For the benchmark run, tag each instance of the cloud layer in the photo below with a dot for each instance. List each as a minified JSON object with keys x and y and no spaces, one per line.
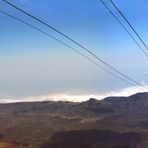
{"x":74,"y":98}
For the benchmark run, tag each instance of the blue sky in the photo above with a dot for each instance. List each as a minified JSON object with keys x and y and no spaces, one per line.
{"x":34,"y":65}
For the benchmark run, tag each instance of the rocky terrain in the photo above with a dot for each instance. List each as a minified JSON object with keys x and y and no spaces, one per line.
{"x":114,"y":122}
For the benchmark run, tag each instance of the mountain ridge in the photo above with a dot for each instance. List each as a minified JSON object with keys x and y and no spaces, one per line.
{"x":47,"y":122}
{"x":109,"y":105}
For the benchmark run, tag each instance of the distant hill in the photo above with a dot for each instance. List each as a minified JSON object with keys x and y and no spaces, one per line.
{"x":137,"y":103}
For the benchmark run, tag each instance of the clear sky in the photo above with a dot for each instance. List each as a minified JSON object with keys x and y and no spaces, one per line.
{"x":35,"y":66}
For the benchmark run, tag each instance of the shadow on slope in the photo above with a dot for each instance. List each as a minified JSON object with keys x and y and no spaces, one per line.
{"x":93,"y":139}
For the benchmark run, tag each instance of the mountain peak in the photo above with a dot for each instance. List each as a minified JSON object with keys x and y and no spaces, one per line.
{"x":140,"y":95}
{"x":92,"y":100}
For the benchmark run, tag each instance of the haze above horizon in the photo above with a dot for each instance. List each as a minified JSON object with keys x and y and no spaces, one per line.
{"x":34,"y":66}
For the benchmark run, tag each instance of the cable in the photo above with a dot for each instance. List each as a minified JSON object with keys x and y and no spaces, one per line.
{"x":92,"y":61}
{"x":124,"y":28}
{"x":129,"y":24}
{"x":84,"y":48}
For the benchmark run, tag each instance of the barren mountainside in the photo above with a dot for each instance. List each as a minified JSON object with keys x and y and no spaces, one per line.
{"x":135,"y":103}
{"x":106,"y":123}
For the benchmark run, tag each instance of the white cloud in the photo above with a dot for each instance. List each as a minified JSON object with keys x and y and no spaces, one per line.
{"x":75,"y":98}
{"x":126,"y":91}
